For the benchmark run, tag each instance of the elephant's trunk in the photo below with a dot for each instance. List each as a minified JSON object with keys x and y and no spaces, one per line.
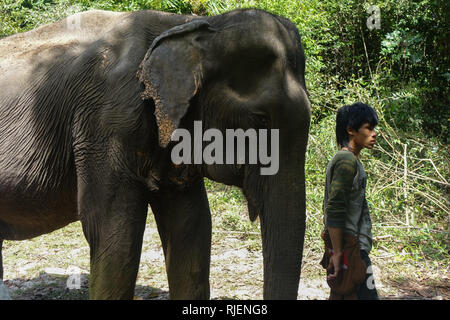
{"x":283,"y":229}
{"x":280,"y":203}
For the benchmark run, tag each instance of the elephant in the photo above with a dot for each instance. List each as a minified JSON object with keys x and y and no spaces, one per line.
{"x":88,"y":108}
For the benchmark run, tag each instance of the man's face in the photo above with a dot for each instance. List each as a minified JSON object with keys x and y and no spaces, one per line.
{"x":364,"y":137}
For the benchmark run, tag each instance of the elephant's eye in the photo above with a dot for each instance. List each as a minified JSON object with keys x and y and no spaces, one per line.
{"x":264,"y":122}
{"x":261,"y":121}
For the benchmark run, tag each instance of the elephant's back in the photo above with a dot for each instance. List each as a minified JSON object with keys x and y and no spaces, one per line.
{"x":24,"y":55}
{"x":79,"y":28}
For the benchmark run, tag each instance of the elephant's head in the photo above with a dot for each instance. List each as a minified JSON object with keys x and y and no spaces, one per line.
{"x":243,"y":69}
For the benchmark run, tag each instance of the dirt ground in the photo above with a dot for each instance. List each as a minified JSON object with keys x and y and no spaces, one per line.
{"x":56,"y":266}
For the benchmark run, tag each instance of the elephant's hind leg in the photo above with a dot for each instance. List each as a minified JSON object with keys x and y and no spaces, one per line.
{"x":184,"y":225}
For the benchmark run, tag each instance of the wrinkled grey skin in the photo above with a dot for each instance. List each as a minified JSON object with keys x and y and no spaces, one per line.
{"x":86,"y":116}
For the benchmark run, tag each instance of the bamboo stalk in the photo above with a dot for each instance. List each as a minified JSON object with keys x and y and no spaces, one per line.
{"x":437,"y":171}
{"x":428,"y":196}
{"x":418,"y":228}
{"x":381,"y":188}
{"x":405,"y":180}
{"x":434,"y":200}
{"x":411,"y":173}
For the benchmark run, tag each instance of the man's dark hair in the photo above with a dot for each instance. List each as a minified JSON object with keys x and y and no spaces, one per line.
{"x":353,"y":116}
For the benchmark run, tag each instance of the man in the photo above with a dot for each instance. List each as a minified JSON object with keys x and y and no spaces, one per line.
{"x":345,"y":205}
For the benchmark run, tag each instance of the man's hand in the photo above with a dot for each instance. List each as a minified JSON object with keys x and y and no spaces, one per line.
{"x":335,"y":265}
{"x":336,"y":236}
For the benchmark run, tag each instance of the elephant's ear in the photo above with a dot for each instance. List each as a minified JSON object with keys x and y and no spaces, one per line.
{"x":171,"y":72}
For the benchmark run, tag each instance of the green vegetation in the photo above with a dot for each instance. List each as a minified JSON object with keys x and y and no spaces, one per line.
{"x":401,"y":69}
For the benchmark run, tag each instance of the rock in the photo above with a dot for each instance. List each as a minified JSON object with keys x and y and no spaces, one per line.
{"x":28,"y":285}
{"x":56,"y":272}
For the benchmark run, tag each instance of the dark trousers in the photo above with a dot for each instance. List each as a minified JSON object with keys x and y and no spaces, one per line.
{"x":367,"y":290}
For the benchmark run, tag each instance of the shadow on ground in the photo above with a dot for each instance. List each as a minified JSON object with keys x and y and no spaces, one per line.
{"x":49,"y":287}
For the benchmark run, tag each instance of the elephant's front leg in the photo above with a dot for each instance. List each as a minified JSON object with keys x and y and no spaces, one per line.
{"x":184,"y":225}
{"x":113,"y":214}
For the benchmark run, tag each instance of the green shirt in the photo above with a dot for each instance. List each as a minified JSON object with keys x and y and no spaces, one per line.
{"x":345,"y":197}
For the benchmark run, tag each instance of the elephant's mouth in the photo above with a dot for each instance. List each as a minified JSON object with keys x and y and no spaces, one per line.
{"x":253,"y":211}
{"x":240,"y":170}
{"x":252,"y":193}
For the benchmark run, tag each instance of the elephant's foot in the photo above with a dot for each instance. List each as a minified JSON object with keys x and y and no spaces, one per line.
{"x":4,"y":295}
